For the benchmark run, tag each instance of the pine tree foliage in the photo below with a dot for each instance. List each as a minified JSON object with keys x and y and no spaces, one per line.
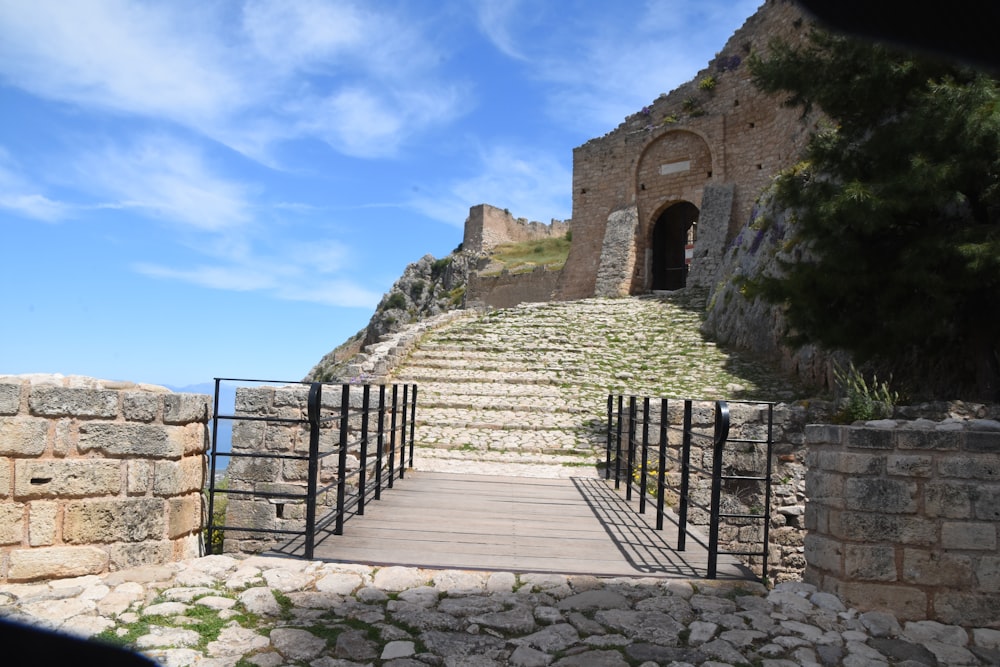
{"x":898,"y":202}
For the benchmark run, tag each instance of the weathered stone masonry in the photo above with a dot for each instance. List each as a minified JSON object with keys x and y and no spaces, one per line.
{"x":714,"y":143}
{"x":97,"y":476}
{"x":904,"y":516}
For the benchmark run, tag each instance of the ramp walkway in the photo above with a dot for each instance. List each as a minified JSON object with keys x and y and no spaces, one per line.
{"x":576,"y":525}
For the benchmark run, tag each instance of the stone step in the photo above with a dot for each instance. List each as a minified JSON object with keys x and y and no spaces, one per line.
{"x":499,"y":419}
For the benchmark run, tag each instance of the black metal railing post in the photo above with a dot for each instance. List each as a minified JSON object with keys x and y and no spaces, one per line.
{"x":767,"y":489}
{"x":618,"y":444}
{"x":721,"y":435}
{"x":682,"y":506}
{"x":661,"y":469}
{"x":392,"y":433}
{"x":413,"y":420}
{"x":631,"y":447}
{"x":363,"y":468}
{"x":402,"y":433}
{"x":210,"y":531}
{"x":644,"y":459}
{"x":313,"y":411}
{"x":345,"y":404}
{"x":607,"y":447}
{"x":379,"y":442}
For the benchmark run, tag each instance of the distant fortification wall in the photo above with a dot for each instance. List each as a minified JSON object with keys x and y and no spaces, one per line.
{"x":97,"y":476}
{"x":488,"y":226}
{"x":507,"y":289}
{"x":710,"y":146}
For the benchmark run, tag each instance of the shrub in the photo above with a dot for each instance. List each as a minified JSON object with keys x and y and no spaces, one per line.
{"x":863,"y":401}
{"x":396,"y":300}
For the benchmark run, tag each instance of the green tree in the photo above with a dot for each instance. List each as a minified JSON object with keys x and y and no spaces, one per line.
{"x":897,"y":206}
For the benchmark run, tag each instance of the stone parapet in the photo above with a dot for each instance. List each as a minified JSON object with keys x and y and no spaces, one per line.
{"x":97,"y":475}
{"x":903,"y":516}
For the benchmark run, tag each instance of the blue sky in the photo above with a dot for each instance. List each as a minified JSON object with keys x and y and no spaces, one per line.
{"x":197,"y":189}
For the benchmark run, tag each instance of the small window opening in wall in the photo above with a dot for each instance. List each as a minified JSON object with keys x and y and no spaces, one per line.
{"x":736,"y":103}
{"x":750,"y":125}
{"x":583,"y":191}
{"x":760,"y":166}
{"x":709,"y":174}
{"x":279,"y":509}
{"x":642,"y":186}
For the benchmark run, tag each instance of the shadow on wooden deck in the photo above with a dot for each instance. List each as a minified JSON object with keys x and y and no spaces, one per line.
{"x":579,"y":525}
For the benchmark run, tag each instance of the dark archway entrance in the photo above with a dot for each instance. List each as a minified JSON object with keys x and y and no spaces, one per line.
{"x":673,"y":231}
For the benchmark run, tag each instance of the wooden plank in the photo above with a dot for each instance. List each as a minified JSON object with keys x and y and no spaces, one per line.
{"x":477,"y":522}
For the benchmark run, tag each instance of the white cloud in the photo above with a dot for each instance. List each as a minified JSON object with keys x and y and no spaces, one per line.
{"x":530,"y":184}
{"x":282,"y":70}
{"x":167,"y":179}
{"x":292,"y":271}
{"x":497,"y":19}
{"x":19,"y":195}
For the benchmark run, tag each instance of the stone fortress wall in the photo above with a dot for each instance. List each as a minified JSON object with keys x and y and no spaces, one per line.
{"x":97,"y":476}
{"x":488,"y":227}
{"x":714,"y":143}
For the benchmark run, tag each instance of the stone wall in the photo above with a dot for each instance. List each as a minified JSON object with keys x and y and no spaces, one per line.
{"x":507,"y":289}
{"x":488,"y":226}
{"x":97,"y":476}
{"x":903,"y":516}
{"x":716,"y":130}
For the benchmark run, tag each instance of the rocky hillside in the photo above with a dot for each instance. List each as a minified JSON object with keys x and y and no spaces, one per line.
{"x":428,"y":287}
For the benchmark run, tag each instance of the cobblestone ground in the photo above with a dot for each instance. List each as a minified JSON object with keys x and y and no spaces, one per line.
{"x":218,"y":611}
{"x":524,"y":390}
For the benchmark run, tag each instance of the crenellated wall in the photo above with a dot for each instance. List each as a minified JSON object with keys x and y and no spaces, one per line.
{"x":97,"y":476}
{"x":488,"y":226}
{"x":904,"y":516}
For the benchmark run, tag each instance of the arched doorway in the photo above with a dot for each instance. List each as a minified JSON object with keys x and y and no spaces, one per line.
{"x":673,"y":231}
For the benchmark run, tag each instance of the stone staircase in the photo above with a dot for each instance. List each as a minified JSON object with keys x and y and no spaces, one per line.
{"x":524,"y":390}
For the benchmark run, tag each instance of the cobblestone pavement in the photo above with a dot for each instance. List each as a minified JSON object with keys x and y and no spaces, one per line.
{"x":219,"y":611}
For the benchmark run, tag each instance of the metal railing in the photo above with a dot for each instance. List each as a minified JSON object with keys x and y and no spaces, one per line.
{"x":628,"y":456}
{"x":387,"y":462}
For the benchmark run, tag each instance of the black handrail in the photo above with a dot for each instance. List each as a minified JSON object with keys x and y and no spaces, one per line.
{"x":314,"y":421}
{"x":625,"y":443}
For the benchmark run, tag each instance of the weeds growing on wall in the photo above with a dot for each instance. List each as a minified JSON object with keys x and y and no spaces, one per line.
{"x":863,"y":401}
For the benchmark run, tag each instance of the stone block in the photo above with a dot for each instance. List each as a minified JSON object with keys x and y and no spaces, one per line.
{"x":66,"y":479}
{"x":906,"y":465}
{"x":981,"y":466}
{"x":823,"y":553}
{"x":55,"y":563}
{"x":66,"y":438}
{"x":949,"y":499}
{"x":936,"y":568}
{"x":196,"y":439}
{"x":12,"y":523}
{"x":982,"y":441}
{"x":49,"y":401}
{"x":23,"y":436}
{"x":184,"y":516}
{"x":870,"y":562}
{"x":254,"y":470}
{"x":860,"y":437}
{"x":255,"y":401}
{"x":927,"y":439}
{"x":4,"y":478}
{"x":825,"y":487}
{"x":140,"y":477}
{"x":42,"y":515}
{"x":182,"y":409}
{"x":294,"y":471}
{"x":174,"y":478}
{"x":854,"y":463}
{"x":821,"y":434}
{"x":882,"y":528}
{"x":968,"y":609}
{"x":150,"y":440}
{"x":988,"y":574}
{"x":986,"y":503}
{"x":123,"y":556}
{"x":10,"y":398}
{"x":248,"y":514}
{"x":874,"y":494}
{"x":906,"y":603}
{"x":127,"y":520}
{"x":140,"y":406}
{"x":966,"y":535}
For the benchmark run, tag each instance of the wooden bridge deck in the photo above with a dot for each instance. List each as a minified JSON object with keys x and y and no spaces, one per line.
{"x":478,"y":522}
